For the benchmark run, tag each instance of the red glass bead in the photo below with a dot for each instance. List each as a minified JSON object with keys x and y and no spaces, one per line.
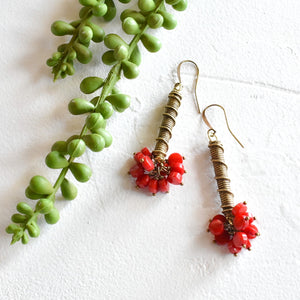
{"x":232,"y":248}
{"x":239,"y":209}
{"x":248,"y":245}
{"x":146,"y":151}
{"x":249,"y":216}
{"x":153,"y":186}
{"x":220,"y":217}
{"x":136,"y":171}
{"x":148,"y":164}
{"x":178,"y":167}
{"x":175,"y":178}
{"x":240,"y":222}
{"x":223,"y":238}
{"x":139,"y":157}
{"x":175,"y":158}
{"x":216,"y":227}
{"x":142,"y":181}
{"x":163,"y":185}
{"x":251,"y":231}
{"x":239,"y":239}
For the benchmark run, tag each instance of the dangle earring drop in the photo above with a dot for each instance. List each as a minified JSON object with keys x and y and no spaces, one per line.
{"x":152,"y":170}
{"x":234,"y":227}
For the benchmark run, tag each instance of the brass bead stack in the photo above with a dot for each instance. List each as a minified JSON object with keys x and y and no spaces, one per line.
{"x":167,"y":124}
{"x":220,"y":167}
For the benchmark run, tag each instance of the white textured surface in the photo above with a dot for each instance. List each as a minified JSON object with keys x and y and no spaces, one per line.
{"x":113,"y":242}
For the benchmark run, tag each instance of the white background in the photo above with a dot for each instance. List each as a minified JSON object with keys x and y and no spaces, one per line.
{"x":114,"y":242}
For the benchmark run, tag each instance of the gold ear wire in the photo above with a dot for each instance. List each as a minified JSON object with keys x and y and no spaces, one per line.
{"x":211,"y":131}
{"x":195,"y":81}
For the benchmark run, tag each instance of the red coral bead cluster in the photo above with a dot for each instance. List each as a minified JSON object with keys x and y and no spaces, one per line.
{"x":236,"y":234}
{"x":156,"y":175}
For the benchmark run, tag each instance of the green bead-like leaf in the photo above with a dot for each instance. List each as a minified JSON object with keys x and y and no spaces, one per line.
{"x":55,"y":160}
{"x":170,"y":21}
{"x":44,"y":206}
{"x":108,"y":58}
{"x":61,"y":28}
{"x":16,"y":237}
{"x":40,"y":185}
{"x":98,"y":33}
{"x":68,"y":190}
{"x":25,"y":238}
{"x":95,"y":142}
{"x":146,"y":5}
{"x":81,"y":171}
{"x":91,"y":84}
{"x":80,"y":106}
{"x":155,"y":20}
{"x":112,"y":41}
{"x":181,"y":5}
{"x":18,"y":218}
{"x":94,"y":121}
{"x":130,"y":69}
{"x":60,"y":146}
{"x":151,"y":43}
{"x":111,"y":10}
{"x":100,"y":10}
{"x":138,"y":17}
{"x":136,"y":56}
{"x":71,"y":138}
{"x":85,"y":34}
{"x":13,"y":228}
{"x":120,"y":101}
{"x":32,"y":195}
{"x":33,"y":229}
{"x":106,"y":135}
{"x":105,"y":109}
{"x":84,"y":55}
{"x":76,"y":147}
{"x":24,"y":208}
{"x":121,"y":53}
{"x":52,"y":217}
{"x":130,"y":26}
{"x":90,"y":3}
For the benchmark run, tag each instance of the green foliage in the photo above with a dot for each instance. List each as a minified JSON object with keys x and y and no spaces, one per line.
{"x":124,"y":58}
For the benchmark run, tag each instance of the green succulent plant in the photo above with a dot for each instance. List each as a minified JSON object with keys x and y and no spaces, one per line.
{"x":124,"y":59}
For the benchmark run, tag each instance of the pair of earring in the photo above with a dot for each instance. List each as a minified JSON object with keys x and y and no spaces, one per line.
{"x":234,"y":226}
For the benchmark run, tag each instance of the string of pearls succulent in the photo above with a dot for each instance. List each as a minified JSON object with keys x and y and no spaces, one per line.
{"x":124,"y":59}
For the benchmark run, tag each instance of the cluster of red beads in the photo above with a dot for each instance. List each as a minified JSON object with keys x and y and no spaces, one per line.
{"x":237,"y":235}
{"x":156,"y":176}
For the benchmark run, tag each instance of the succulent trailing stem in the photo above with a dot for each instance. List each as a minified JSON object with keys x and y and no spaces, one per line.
{"x":124,"y":59}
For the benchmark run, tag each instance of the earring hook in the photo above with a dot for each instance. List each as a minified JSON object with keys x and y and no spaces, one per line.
{"x":211,"y":128}
{"x":195,"y":81}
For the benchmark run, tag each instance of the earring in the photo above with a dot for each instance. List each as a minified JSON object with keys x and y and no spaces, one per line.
{"x":152,"y":170}
{"x":234,"y":227}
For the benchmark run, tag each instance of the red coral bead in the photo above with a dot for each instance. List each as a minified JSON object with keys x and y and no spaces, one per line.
{"x":240,"y":239}
{"x":239,"y":209}
{"x":223,"y":238}
{"x":220,"y":217}
{"x":148,"y":164}
{"x":178,"y":167}
{"x":175,"y":178}
{"x":153,"y":186}
{"x":163,"y":185}
{"x":136,"y":171}
{"x":139,"y":157}
{"x":175,"y":158}
{"x":142,"y":181}
{"x":240,"y":222}
{"x":251,"y":231}
{"x":216,"y":227}
{"x":146,"y":151}
{"x":248,"y":245}
{"x":232,"y":248}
